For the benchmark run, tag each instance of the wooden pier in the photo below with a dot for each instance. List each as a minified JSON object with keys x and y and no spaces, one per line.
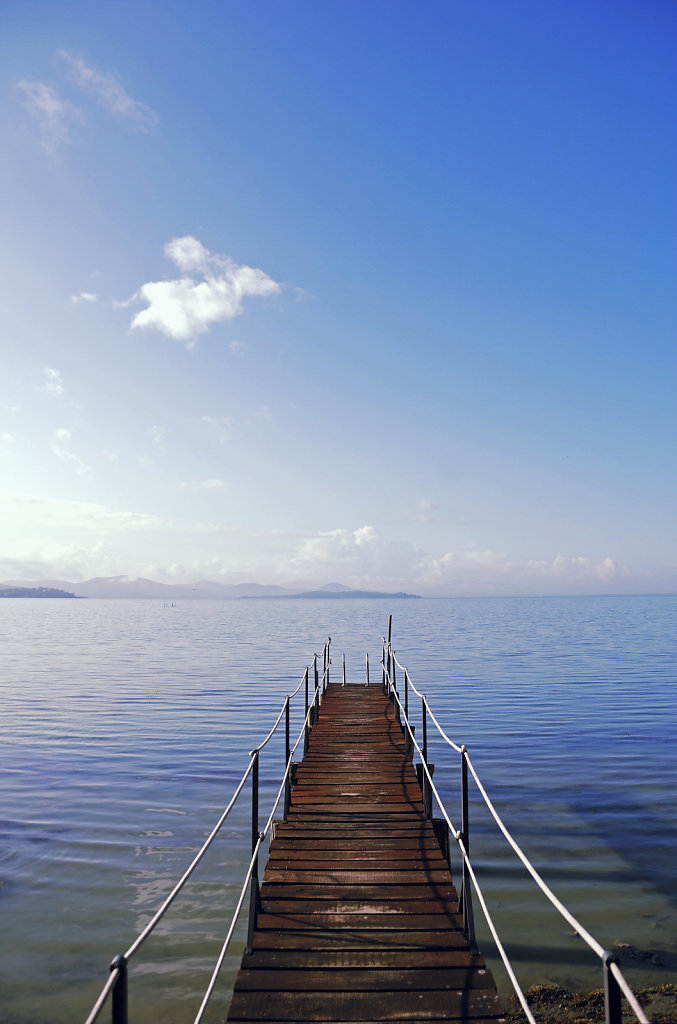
{"x":359,"y":919}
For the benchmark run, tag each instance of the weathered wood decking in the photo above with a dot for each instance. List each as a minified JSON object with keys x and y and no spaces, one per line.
{"x":359,"y":919}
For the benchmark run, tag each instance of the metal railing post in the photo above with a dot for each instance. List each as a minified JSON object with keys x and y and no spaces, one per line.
{"x":466,"y":894}
{"x":316,"y":697}
{"x":398,"y":716}
{"x":119,"y":991}
{"x":367,"y":658}
{"x":425,"y":781}
{"x":254,"y":899}
{"x":287,"y":766}
{"x":406,"y":695}
{"x":344,"y":670}
{"x":306,"y":728}
{"x":613,"y":1012}
{"x":383,"y":662}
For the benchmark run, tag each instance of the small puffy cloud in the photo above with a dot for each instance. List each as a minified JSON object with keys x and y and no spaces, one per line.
{"x":237,"y":347}
{"x":157,"y":435}
{"x":83,"y":297}
{"x":54,"y":383}
{"x":210,"y":485}
{"x":185,"y":307}
{"x":59,"y":440}
{"x":106,"y":88}
{"x":52,"y":114}
{"x":425,"y":511}
{"x":222,"y":425}
{"x":8,"y":438}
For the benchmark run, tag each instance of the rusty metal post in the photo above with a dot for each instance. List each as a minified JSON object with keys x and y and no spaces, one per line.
{"x":287,"y":766}
{"x":398,"y":714}
{"x":119,"y":991}
{"x":613,"y":1012}
{"x":316,"y":698}
{"x":425,"y":781}
{"x":406,"y":694}
{"x":306,"y":728}
{"x":466,"y":894}
{"x":254,"y":897}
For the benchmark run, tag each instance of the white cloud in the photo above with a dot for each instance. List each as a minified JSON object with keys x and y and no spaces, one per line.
{"x":83,"y":297}
{"x":8,"y":438}
{"x":211,"y":484}
{"x":157,"y":435}
{"x":105,"y":87}
{"x":53,"y":115}
{"x":236,"y":347}
{"x":425,"y":511}
{"x":54,"y":381}
{"x":223,"y":425}
{"x":59,"y":438}
{"x":185,"y":307}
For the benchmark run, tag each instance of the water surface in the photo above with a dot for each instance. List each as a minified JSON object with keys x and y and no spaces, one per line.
{"x":128,"y":725}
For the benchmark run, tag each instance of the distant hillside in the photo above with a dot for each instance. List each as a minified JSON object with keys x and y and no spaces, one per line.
{"x":34,"y":592}
{"x":334,"y":594}
{"x":137,"y":587}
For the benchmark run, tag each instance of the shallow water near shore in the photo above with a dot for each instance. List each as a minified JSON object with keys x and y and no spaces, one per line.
{"x":128,"y":725}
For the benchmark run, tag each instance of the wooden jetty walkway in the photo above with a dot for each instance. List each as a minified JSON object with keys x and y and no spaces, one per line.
{"x":359,"y":919}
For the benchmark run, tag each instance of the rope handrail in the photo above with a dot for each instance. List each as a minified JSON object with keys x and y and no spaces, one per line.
{"x":119,"y":963}
{"x":418,"y":693}
{"x":459,"y":839}
{"x":559,"y":906}
{"x":236,"y":914}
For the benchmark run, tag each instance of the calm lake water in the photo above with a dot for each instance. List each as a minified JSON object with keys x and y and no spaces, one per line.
{"x":127,"y":728}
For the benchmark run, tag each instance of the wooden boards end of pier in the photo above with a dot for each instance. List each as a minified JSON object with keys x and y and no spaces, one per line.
{"x":359,"y":916}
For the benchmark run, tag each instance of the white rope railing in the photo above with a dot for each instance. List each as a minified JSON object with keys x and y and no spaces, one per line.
{"x":119,"y":965}
{"x":238,"y":908}
{"x":459,"y":839}
{"x":597,"y":948}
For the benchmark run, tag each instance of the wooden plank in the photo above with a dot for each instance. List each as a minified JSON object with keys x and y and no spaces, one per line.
{"x":360,"y":980}
{"x":334,"y":906}
{"x":356,"y":938}
{"x":300,"y":890}
{"x":461,"y":1004}
{"x":390,"y":959}
{"x":376,"y":920}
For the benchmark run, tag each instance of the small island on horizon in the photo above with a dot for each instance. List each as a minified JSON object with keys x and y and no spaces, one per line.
{"x":36,"y":592}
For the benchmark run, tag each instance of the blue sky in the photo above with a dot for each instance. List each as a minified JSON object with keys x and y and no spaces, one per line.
{"x":374,"y":292}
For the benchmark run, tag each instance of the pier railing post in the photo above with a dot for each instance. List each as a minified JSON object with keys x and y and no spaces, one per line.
{"x":344,"y":670}
{"x":367,"y":662}
{"x":406,"y":695}
{"x":613,"y":1012}
{"x":316,"y":697}
{"x":254,"y":898}
{"x":398,"y":716}
{"x":119,"y":992}
{"x":287,"y":766}
{"x":306,"y":728}
{"x":425,"y":781}
{"x":466,"y":894}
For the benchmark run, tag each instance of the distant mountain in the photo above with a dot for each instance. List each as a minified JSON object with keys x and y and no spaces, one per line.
{"x":139,"y":588}
{"x":34,"y":592}
{"x":332,"y":595}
